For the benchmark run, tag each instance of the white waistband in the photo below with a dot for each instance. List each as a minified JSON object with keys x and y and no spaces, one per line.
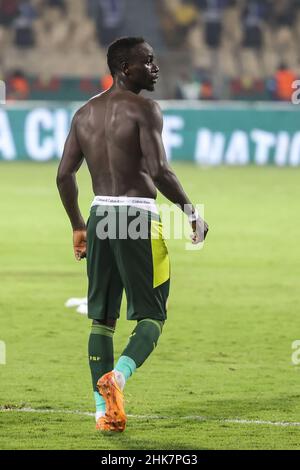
{"x":140,"y":202}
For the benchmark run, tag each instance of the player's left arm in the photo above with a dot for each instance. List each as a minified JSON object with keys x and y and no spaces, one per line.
{"x":66,"y":182}
{"x":164,"y":178}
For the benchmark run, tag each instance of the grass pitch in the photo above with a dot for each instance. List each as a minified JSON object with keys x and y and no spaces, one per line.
{"x":225,"y":353}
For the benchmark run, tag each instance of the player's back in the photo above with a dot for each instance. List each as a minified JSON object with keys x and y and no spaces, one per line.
{"x":108,"y":134}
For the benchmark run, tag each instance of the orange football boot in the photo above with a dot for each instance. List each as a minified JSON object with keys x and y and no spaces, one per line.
{"x":102,"y":424}
{"x":115,"y":414}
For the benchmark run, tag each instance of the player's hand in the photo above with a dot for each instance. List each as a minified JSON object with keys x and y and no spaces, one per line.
{"x":200,"y":230}
{"x":79,"y":244}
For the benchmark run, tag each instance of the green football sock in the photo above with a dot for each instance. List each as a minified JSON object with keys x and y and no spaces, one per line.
{"x":101,"y":358}
{"x":127,"y":366}
{"x":142,"y":342}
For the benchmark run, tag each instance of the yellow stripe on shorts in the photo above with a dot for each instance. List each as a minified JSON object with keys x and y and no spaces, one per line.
{"x":160,"y":257}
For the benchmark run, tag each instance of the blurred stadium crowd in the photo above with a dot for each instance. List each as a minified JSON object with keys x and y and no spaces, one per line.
{"x":207,"y":49}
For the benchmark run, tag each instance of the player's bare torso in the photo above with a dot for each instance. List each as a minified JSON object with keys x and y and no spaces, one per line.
{"x":107,"y":129}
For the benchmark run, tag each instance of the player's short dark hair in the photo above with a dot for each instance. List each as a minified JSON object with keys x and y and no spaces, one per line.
{"x":119,"y":52}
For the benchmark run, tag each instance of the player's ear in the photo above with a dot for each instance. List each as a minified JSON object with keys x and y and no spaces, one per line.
{"x":125,"y":68}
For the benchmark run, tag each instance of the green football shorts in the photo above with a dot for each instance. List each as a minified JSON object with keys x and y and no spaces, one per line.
{"x":117,"y":259}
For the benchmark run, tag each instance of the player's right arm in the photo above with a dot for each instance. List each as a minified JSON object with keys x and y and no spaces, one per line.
{"x":66,"y":182}
{"x":150,"y":130}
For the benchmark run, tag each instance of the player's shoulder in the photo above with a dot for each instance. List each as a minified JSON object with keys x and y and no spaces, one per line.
{"x":80,"y":112}
{"x":83,"y":111}
{"x":148,"y":104}
{"x":147,"y":108}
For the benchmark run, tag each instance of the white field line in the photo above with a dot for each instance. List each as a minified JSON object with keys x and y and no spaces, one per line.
{"x":153,"y":417}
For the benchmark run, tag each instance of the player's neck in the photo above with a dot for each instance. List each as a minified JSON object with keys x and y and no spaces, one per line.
{"x":121,"y":84}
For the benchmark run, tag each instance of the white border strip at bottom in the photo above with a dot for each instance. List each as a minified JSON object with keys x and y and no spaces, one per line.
{"x":152,"y":417}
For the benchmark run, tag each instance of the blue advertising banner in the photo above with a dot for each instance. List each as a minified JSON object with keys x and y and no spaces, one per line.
{"x":212,"y":134}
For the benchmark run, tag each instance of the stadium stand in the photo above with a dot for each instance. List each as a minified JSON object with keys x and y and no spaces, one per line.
{"x":210,"y":49}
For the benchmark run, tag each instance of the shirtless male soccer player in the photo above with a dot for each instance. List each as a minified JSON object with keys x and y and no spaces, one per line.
{"x":119,"y":134}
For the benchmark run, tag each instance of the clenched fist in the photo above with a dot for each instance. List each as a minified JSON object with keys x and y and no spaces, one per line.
{"x":79,"y":244}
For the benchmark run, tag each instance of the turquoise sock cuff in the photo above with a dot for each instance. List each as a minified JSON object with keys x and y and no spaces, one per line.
{"x":100,"y":402}
{"x":126,"y":365}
